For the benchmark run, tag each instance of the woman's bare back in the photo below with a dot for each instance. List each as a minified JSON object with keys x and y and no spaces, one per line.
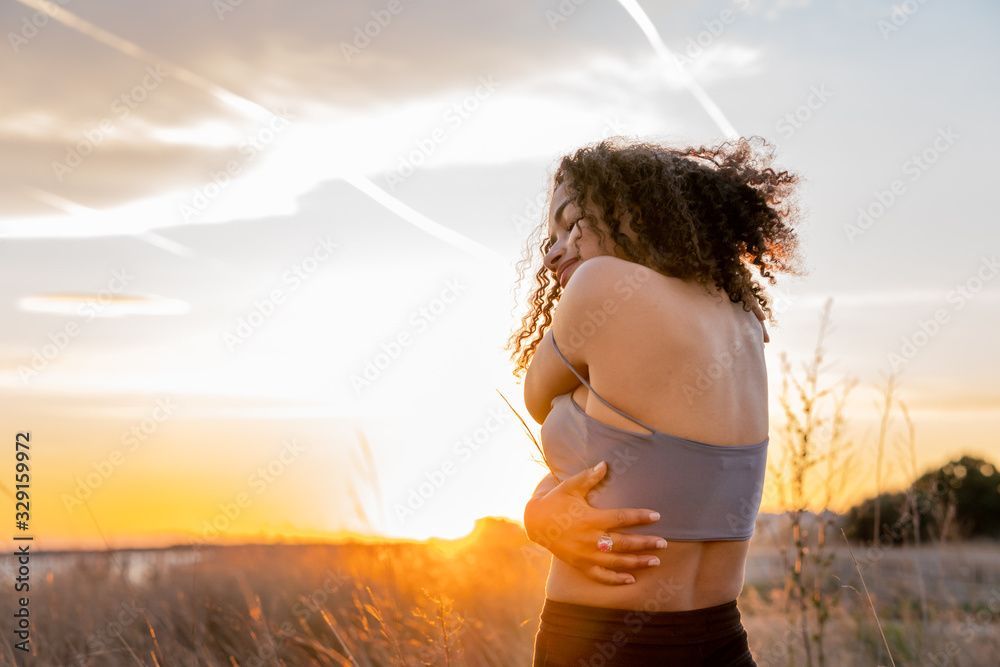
{"x":701,"y":377}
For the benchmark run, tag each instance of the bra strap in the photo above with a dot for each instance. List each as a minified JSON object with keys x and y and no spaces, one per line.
{"x":591,"y":389}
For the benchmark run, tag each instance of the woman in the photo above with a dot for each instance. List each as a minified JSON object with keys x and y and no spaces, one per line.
{"x":651,"y":369}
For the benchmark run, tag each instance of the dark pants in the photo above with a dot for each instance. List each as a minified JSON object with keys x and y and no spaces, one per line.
{"x":576,"y":635}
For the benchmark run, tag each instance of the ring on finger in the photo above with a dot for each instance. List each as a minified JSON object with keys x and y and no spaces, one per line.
{"x":605,"y":543}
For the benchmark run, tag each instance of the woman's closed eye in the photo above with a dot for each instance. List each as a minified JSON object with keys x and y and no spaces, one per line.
{"x":551,"y":241}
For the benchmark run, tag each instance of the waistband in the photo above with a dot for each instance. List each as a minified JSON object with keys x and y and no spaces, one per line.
{"x":638,"y":626}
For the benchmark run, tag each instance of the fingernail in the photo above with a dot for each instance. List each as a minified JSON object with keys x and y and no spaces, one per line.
{"x":653,"y":561}
{"x":630,"y":580}
{"x":598,"y":467}
{"x":661,"y":544}
{"x":654,"y":516}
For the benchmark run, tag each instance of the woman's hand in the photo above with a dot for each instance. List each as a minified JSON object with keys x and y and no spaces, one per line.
{"x":759,"y":312}
{"x":564,"y":522}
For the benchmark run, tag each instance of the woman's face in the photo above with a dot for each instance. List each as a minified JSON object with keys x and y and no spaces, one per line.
{"x":573,"y":238}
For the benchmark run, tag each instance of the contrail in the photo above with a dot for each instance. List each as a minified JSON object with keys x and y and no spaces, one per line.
{"x":55,"y":201}
{"x":131,"y":49}
{"x":648,"y":29}
{"x":181,"y":250}
{"x":422,"y":222}
{"x":71,"y":207}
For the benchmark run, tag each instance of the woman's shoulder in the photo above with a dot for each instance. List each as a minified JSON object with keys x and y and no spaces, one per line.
{"x":610,"y":281}
{"x":611,"y":266}
{"x":619,"y":298}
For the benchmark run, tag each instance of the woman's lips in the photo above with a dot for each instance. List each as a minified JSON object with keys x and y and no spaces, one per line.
{"x":565,"y":271}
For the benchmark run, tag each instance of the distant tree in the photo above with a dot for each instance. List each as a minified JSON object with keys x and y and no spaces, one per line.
{"x":959,"y":500}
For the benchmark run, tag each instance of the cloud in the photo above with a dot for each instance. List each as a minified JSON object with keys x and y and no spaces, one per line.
{"x":101,"y":305}
{"x":166,"y":178}
{"x":109,"y":106}
{"x":298,"y":54}
{"x":97,"y":175}
{"x":773,"y":9}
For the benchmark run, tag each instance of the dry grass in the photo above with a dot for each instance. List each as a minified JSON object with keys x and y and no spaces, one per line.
{"x":468,"y":602}
{"x":863,"y":604}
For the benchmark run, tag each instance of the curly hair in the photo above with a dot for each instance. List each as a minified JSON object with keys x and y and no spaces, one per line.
{"x":704,"y":214}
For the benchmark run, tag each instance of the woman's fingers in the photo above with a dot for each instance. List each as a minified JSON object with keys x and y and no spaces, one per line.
{"x":608,"y":568}
{"x":585,"y":480}
{"x":605,"y":576}
{"x":624,"y":542}
{"x":616,"y":561}
{"x":626,"y":516}
{"x":759,"y":312}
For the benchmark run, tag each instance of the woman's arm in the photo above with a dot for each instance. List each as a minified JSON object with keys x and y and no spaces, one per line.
{"x":559,"y":518}
{"x":548,"y":483}
{"x":545,"y":378}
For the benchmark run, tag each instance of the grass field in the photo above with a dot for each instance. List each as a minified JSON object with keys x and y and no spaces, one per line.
{"x":473,"y":601}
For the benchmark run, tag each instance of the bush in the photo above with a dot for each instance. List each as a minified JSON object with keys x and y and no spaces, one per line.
{"x":960,"y":500}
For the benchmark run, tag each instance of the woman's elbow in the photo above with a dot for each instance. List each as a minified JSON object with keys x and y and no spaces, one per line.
{"x":536,"y":405}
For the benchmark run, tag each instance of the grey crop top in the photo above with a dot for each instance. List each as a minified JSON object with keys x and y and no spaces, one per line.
{"x":702,"y":491}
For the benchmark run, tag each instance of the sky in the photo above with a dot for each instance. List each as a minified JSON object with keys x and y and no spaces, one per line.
{"x":259,"y":259}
